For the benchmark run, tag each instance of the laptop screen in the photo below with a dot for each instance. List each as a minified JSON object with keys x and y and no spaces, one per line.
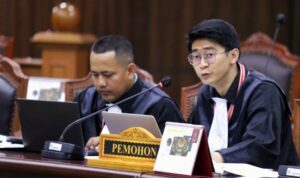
{"x":46,"y":120}
{"x":117,"y":122}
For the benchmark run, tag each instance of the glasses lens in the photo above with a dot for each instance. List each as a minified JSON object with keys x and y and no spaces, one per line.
{"x":194,"y":58}
{"x":190,"y":59}
{"x":210,"y":57}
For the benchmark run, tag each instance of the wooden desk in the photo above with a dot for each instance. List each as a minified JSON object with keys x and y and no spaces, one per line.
{"x":25,"y":164}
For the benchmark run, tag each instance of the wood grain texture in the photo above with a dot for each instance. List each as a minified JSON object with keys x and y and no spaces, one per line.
{"x":156,"y":28}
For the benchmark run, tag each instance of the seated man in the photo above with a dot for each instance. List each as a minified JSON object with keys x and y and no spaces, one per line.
{"x":245,"y":113}
{"x":114,"y":77}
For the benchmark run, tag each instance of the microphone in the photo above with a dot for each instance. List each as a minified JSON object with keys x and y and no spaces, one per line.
{"x":280,"y":19}
{"x":62,"y":150}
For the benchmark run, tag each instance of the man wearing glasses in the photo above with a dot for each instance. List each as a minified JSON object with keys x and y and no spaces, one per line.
{"x":246,"y":114}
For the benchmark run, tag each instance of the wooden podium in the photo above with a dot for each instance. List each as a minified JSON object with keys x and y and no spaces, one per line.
{"x":64,"y":54}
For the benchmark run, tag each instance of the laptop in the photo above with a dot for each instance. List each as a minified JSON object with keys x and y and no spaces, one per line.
{"x":45,"y":120}
{"x":117,"y":122}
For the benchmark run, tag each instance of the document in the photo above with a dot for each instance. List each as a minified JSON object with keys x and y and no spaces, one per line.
{"x":245,"y":170}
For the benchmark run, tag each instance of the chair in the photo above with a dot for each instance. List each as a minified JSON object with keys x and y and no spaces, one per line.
{"x":72,"y":87}
{"x":8,"y":94}
{"x":275,"y":62}
{"x":6,"y":46}
{"x":258,"y":54}
{"x":296,"y":124}
{"x":188,"y":99}
{"x":13,"y":84}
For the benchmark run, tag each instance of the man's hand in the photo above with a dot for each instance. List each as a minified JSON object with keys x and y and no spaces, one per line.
{"x":217,"y":157}
{"x":92,"y":143}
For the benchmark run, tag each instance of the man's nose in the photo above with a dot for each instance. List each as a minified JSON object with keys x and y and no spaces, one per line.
{"x":100,"y":81}
{"x":203,"y":63}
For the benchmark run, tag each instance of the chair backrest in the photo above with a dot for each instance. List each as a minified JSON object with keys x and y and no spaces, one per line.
{"x":6,"y":46}
{"x":257,"y":53}
{"x":296,"y":124}
{"x":188,"y":99}
{"x":274,"y":61}
{"x":8,"y":94}
{"x":72,"y":87}
{"x":13,"y":85}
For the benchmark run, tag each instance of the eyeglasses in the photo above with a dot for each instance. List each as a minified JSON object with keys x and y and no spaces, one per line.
{"x":209,"y":57}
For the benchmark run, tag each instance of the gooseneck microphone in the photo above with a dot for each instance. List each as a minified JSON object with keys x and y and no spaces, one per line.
{"x":62,"y":150}
{"x":165,"y":82}
{"x":280,"y":18}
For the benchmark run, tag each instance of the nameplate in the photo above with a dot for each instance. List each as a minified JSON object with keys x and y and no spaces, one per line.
{"x":133,"y":149}
{"x":55,"y":146}
{"x":184,"y":146}
{"x":113,"y":146}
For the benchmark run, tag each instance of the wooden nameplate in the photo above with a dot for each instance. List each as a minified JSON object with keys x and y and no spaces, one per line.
{"x":133,"y":149}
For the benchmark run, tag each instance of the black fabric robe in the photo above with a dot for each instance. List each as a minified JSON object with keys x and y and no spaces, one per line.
{"x":154,"y":102}
{"x":260,"y":128}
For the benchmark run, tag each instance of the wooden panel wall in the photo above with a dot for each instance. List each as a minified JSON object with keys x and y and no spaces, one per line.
{"x":155,"y":27}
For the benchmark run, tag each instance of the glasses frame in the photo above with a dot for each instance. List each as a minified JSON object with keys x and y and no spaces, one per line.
{"x":205,"y":58}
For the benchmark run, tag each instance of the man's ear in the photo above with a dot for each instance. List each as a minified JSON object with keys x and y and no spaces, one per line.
{"x":234,"y":55}
{"x":131,"y":68}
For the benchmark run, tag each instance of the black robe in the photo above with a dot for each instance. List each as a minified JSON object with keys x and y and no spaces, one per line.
{"x":259,"y":131}
{"x":154,"y":102}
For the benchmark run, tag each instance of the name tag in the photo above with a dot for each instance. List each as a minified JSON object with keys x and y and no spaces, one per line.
{"x":55,"y":146}
{"x":113,"y":146}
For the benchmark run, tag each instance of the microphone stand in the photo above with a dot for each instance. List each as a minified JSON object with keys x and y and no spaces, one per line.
{"x":280,"y":18}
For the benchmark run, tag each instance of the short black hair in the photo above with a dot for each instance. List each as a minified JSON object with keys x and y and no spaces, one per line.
{"x":217,"y":30}
{"x":119,"y":44}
